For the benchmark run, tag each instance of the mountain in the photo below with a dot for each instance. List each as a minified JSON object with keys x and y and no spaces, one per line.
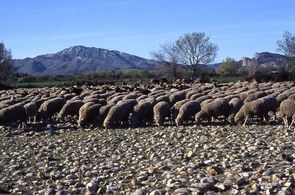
{"x":267,"y":59}
{"x":79,"y":59}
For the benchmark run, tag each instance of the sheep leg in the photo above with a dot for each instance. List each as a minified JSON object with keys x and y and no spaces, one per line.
{"x":291,"y":123}
{"x":245,"y":121}
{"x":285,"y":121}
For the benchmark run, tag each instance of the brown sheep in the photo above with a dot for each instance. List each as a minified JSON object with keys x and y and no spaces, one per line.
{"x":50,"y":107}
{"x":71,"y":108}
{"x":161,"y":110}
{"x":119,"y":113}
{"x":216,"y":108}
{"x":88,"y":113}
{"x":187,"y":111}
{"x":287,"y":111}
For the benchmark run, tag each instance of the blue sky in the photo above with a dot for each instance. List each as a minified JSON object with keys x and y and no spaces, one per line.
{"x":239,"y":27}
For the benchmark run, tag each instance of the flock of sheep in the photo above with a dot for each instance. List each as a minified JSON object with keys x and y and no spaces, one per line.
{"x":178,"y":104}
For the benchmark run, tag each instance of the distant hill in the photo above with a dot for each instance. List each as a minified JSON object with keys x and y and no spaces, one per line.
{"x":267,"y":59}
{"x":79,"y":59}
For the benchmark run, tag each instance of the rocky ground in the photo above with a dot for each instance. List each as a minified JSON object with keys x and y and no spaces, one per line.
{"x":151,"y":160}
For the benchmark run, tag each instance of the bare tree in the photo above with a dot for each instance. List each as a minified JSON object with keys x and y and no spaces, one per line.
{"x":195,"y":49}
{"x":287,"y":44}
{"x":5,"y":63}
{"x":167,"y":56}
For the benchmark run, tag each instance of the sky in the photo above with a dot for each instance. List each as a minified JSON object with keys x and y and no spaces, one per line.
{"x":239,"y":27}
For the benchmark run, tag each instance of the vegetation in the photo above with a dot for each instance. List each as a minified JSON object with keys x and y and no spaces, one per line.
{"x":192,"y":49}
{"x":5,"y":63}
{"x":229,"y":67}
{"x":287,"y":44}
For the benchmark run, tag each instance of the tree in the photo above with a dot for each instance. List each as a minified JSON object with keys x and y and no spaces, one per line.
{"x":287,"y":44}
{"x":5,"y":63}
{"x":251,"y":67}
{"x":194,"y":49}
{"x":168,"y":57}
{"x":229,"y":67}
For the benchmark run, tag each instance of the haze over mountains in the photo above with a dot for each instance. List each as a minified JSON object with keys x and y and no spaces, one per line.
{"x":80,"y":59}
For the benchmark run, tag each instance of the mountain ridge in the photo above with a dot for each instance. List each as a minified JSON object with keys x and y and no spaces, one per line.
{"x":80,"y":59}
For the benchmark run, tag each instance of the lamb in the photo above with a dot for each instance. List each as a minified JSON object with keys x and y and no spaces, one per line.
{"x":187,"y":111}
{"x":175,"y":108}
{"x":71,"y":108}
{"x":12,"y":114}
{"x":235,"y":106}
{"x":175,"y":97}
{"x":216,"y":108}
{"x":161,"y":110}
{"x":88,"y":113}
{"x":142,"y":113}
{"x":287,"y":110}
{"x":31,"y":110}
{"x":119,"y":113}
{"x":50,"y":107}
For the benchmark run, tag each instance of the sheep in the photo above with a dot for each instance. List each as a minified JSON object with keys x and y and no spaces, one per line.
{"x":287,"y":110}
{"x":196,"y":95}
{"x":12,"y":114}
{"x":71,"y":108}
{"x":187,"y":111}
{"x":235,"y":106}
{"x":203,"y":98}
{"x":31,"y":110}
{"x":3,"y":105}
{"x":50,"y":107}
{"x":103,"y":112}
{"x":177,"y":96}
{"x":88,"y":113}
{"x":216,"y":108}
{"x":164,"y":98}
{"x":175,"y":108}
{"x":161,"y":110}
{"x":254,"y":96}
{"x":142,"y":113}
{"x":259,"y":107}
{"x":119,"y":113}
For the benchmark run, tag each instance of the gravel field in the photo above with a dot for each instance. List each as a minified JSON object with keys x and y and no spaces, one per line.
{"x":151,"y":160}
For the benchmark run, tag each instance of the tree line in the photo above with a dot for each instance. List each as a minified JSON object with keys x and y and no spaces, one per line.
{"x":185,"y":57}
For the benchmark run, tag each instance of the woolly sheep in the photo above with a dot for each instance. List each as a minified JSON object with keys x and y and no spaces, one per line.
{"x":31,"y":110}
{"x":164,"y":98}
{"x":175,"y":108}
{"x":235,"y":106}
{"x":259,"y":107}
{"x":287,"y":110}
{"x":12,"y":114}
{"x":187,"y":111}
{"x":119,"y":113}
{"x":195,"y":96}
{"x":161,"y":110}
{"x":216,"y":108}
{"x":50,"y":107}
{"x":142,"y":113}
{"x":88,"y":113}
{"x":71,"y":108}
{"x":177,"y":96}
{"x":255,"y":96}
{"x":103,"y":112}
